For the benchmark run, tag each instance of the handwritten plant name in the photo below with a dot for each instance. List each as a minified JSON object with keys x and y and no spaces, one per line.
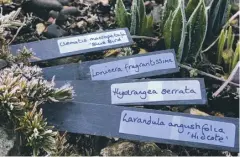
{"x":144,"y":93}
{"x":217,"y":134}
{"x":96,"y":40}
{"x":128,"y":67}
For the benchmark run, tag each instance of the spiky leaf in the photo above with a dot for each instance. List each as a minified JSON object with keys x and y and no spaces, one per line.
{"x":221,"y":43}
{"x":218,"y":16}
{"x":174,"y":30}
{"x":149,"y":26}
{"x":135,"y":19}
{"x":196,"y":32}
{"x":167,"y":31}
{"x":191,"y":6}
{"x":236,"y":56}
{"x":169,"y":6}
{"x":121,"y":15}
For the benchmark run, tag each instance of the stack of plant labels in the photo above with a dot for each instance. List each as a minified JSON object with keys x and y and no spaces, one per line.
{"x":103,"y":87}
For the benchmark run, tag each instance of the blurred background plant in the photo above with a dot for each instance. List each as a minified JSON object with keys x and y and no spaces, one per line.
{"x":22,"y":91}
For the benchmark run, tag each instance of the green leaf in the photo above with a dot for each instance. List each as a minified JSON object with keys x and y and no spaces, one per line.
{"x":174,"y":30}
{"x":218,"y":16}
{"x":149,"y":27}
{"x":121,"y":14}
{"x":221,"y":43}
{"x":135,"y":19}
{"x":192,"y":4}
{"x":230,"y":38}
{"x":141,"y":8}
{"x":167,"y":31}
{"x":236,"y":56}
{"x":169,"y":6}
{"x":196,"y":32}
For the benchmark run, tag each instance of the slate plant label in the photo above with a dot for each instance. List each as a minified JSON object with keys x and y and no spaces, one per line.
{"x":92,"y":41}
{"x":133,"y":66}
{"x":154,"y":91}
{"x":177,"y":128}
{"x":74,"y":45}
{"x":145,"y":125}
{"x":167,"y":91}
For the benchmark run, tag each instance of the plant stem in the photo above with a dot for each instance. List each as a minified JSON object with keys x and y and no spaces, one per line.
{"x":144,"y":37}
{"x":207,"y":74}
{"x":227,"y":81}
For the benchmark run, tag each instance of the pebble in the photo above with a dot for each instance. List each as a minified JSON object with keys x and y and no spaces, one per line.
{"x":40,"y":27}
{"x":41,"y":8}
{"x":64,"y":13}
{"x":3,"y":64}
{"x":54,"y":31}
{"x":53,"y":14}
{"x":47,"y":4}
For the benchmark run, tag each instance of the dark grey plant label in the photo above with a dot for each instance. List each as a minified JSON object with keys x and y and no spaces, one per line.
{"x":132,"y":66}
{"x":173,"y":127}
{"x":156,"y":91}
{"x":90,"y":41}
{"x":128,"y":67}
{"x":74,"y":45}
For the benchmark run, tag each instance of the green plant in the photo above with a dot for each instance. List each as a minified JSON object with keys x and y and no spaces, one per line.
{"x":137,"y":21}
{"x":218,"y":16}
{"x":185,"y":28}
{"x":22,"y":90}
{"x":226,"y":55}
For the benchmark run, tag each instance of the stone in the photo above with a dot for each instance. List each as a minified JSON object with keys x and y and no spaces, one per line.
{"x":47,"y":4}
{"x":6,"y":143}
{"x":125,"y":148}
{"x":40,"y":27}
{"x":41,"y":8}
{"x":65,"y":12}
{"x":53,"y":14}
{"x":54,"y":31}
{"x":3,"y":64}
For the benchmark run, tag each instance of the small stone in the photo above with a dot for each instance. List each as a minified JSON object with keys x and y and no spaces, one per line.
{"x":195,"y":111}
{"x":82,"y":24}
{"x":54,"y":31}
{"x":47,"y":4}
{"x":3,"y":64}
{"x":40,"y":27}
{"x":65,"y":12}
{"x":53,"y":14}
